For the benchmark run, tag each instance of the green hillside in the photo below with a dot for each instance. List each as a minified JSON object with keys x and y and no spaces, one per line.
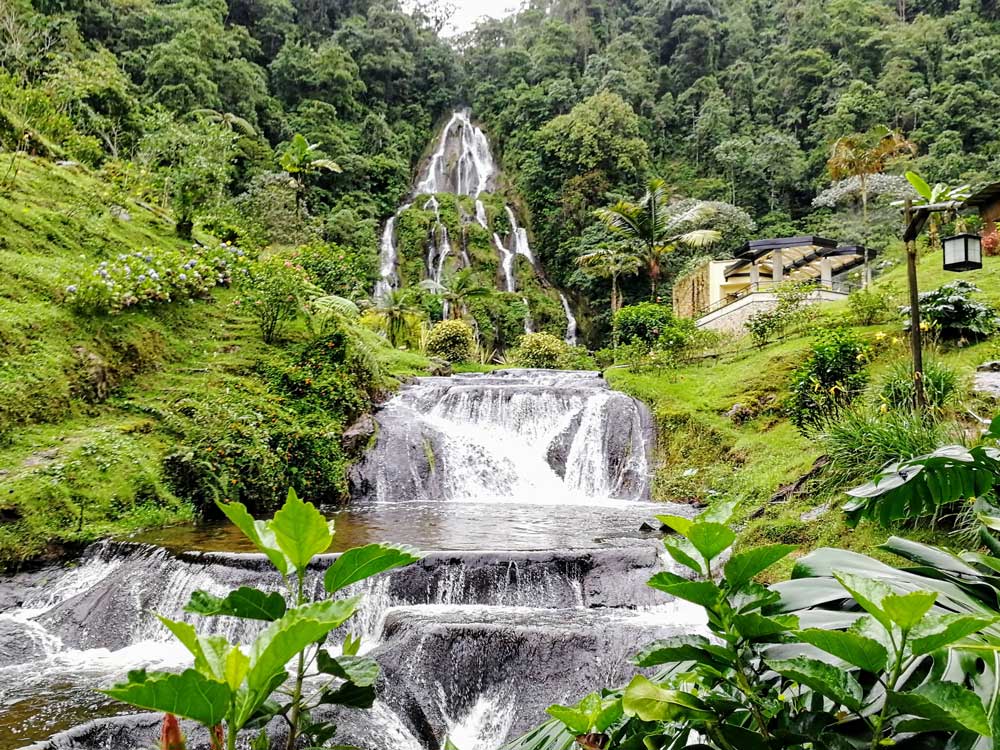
{"x":116,"y":422}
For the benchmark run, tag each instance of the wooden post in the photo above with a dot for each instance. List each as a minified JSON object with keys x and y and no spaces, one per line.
{"x":916,"y":335}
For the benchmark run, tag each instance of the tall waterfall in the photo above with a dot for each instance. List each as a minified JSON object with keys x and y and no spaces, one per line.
{"x":461,"y":163}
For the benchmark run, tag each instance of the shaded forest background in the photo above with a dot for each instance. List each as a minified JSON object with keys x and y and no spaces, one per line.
{"x":190,"y":104}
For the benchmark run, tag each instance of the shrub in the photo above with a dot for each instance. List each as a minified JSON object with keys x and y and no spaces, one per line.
{"x":991,"y":243}
{"x":273,"y":290}
{"x":155,"y":276}
{"x":451,"y":340}
{"x":542,"y":350}
{"x":790,"y":309}
{"x":869,"y":306}
{"x":940,"y":385}
{"x":830,"y":378}
{"x":653,"y":325}
{"x":952,"y":312}
{"x":338,"y":270}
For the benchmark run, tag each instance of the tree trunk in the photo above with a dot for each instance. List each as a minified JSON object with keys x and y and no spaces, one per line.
{"x":865,"y":270}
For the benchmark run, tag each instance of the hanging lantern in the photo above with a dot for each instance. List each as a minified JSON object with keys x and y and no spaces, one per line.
{"x":963,"y":252}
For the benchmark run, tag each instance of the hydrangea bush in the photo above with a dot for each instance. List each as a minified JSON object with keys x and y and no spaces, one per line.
{"x":154,"y":276}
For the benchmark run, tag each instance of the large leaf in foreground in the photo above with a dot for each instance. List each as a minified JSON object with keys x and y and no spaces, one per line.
{"x":856,"y":649}
{"x":257,"y":532}
{"x":363,"y":562}
{"x":948,"y":705}
{"x":301,"y":531}
{"x":190,"y":694}
{"x":245,"y":602}
{"x":282,"y":640}
{"x":819,"y":676}
{"x":650,"y":702}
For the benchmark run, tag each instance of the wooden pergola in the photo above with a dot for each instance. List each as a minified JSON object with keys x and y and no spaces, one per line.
{"x":795,"y":259}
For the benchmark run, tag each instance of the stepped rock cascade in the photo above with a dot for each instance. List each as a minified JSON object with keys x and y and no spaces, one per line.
{"x":462,"y":164}
{"x":525,"y":488}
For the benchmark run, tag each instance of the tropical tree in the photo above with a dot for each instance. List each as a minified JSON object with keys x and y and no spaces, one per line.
{"x":226,"y":119}
{"x":456,"y":291}
{"x":652,"y":226}
{"x":610,"y":261}
{"x":395,"y":311}
{"x":299,"y":159}
{"x":861,"y":155}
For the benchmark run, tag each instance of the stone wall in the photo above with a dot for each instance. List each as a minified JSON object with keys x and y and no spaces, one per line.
{"x":691,"y":292}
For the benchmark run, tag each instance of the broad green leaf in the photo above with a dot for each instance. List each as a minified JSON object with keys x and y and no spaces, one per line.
{"x":836,"y":684}
{"x":190,"y":695}
{"x":943,"y":630}
{"x":209,"y":651}
{"x":711,"y":539}
{"x":680,"y":524}
{"x":906,"y":610}
{"x":867,"y":592}
{"x":949,"y":705}
{"x":236,"y":668}
{"x":679,"y":648}
{"x":753,"y":625}
{"x":718,"y":512}
{"x":920,"y":185}
{"x":257,"y":532}
{"x":360,"y":670}
{"x":351,"y":645}
{"x":244,"y":602}
{"x":743,"y":566}
{"x":364,"y":562}
{"x":610,"y":715}
{"x":350,"y":695}
{"x":868,"y":654}
{"x":576,"y":721}
{"x":676,"y":550}
{"x":650,"y":702}
{"x":301,"y":531}
{"x":705,"y":593}
{"x":281,"y":641}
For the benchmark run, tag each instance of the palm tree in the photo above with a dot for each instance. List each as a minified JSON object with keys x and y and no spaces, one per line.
{"x":456,"y":291}
{"x":609,"y":262}
{"x":653,"y":226}
{"x":396,"y":310}
{"x":298,"y":159}
{"x":861,"y":155}
{"x":227,"y":119}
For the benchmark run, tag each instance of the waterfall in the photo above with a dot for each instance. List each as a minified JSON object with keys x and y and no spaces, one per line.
{"x":529,"y":436}
{"x":529,"y":324}
{"x":570,"y":321}
{"x":461,"y":164}
{"x":527,"y":490}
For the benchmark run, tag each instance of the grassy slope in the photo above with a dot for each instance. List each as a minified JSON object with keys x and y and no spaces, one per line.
{"x":73,"y":469}
{"x":703,"y":454}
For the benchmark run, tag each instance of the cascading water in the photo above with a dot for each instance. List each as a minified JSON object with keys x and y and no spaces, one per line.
{"x":526,"y":487}
{"x":462,"y":164}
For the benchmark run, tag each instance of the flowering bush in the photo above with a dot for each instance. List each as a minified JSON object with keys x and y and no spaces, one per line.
{"x":830,"y":378}
{"x":152,"y":276}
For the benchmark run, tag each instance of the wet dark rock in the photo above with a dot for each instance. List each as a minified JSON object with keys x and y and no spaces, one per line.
{"x":559,"y":448}
{"x":440,"y":368}
{"x":991,"y":366}
{"x":357,"y":437}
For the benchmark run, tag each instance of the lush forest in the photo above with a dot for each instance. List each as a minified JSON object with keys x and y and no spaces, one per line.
{"x":193,"y":104}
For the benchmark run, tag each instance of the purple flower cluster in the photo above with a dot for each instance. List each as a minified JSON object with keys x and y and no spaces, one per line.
{"x":165,"y":276}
